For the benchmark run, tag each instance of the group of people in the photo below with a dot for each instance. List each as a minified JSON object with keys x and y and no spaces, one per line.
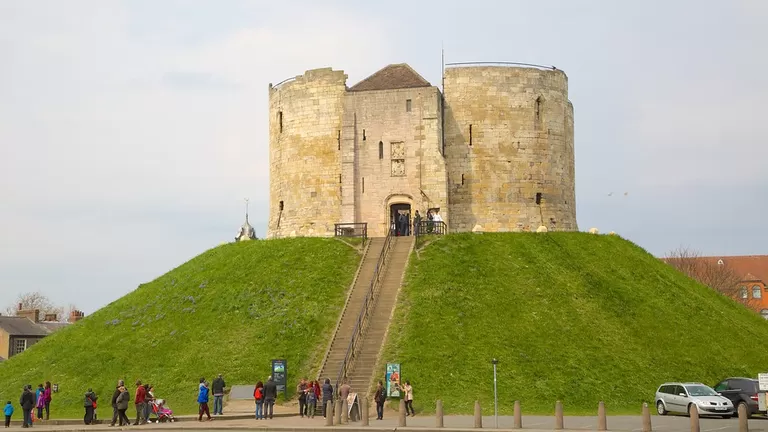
{"x":265,"y":394}
{"x":203,"y":392}
{"x":29,"y":400}
{"x":402,"y":224}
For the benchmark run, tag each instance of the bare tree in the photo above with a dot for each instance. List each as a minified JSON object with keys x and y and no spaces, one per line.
{"x":714,"y":274}
{"x":35,"y":300}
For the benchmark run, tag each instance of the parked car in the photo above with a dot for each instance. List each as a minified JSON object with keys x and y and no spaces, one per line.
{"x":684,"y":397}
{"x":741,"y":391}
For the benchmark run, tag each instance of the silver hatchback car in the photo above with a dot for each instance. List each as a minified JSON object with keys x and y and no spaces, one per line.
{"x":683,"y":397}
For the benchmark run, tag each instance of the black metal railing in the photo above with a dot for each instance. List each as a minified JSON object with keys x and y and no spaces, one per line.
{"x":428,"y":227}
{"x":351,"y":230}
{"x":365,"y":313}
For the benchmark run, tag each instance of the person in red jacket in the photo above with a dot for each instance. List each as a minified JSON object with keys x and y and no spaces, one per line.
{"x":139,"y":400}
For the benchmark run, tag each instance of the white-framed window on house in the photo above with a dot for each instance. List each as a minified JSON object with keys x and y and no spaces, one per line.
{"x":19,"y":345}
{"x":764,"y":313}
{"x":743,"y":292}
{"x":757,"y":292}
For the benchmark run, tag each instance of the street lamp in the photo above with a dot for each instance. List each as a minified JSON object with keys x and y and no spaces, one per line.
{"x":495,"y":395}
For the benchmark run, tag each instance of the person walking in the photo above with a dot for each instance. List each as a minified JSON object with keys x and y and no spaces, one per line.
{"x":408,"y":399}
{"x":47,"y":395}
{"x":327,"y":395}
{"x":345,"y":389}
{"x":8,"y":411}
{"x":115,"y":414}
{"x":27,"y":402}
{"x":270,"y":394}
{"x":121,"y":403}
{"x":218,"y":395}
{"x":380,"y":397}
{"x":301,"y":389}
{"x":149,"y":397}
{"x":202,"y":399}
{"x":258,"y":396}
{"x":140,"y":401}
{"x":88,"y":403}
{"x":311,"y":401}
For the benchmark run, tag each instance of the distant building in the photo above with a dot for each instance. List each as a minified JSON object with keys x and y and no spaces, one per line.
{"x":17,"y":333}
{"x":753,"y":274}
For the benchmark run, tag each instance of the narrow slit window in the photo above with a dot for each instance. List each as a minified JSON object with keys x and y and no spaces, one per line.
{"x":381,"y":150}
{"x":462,"y":179}
{"x":339,"y":178}
{"x":338,"y":140}
{"x":363,"y":184}
{"x":407,"y":105}
{"x":538,"y":198}
{"x":538,"y":108}
{"x":281,"y":206}
{"x":470,"y":134}
{"x":280,"y":121}
{"x":363,"y":134}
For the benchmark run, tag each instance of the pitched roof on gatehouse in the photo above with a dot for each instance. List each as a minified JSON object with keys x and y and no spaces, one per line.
{"x":394,"y":76}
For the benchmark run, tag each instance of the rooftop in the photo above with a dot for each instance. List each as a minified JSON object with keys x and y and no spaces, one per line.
{"x":22,"y":326}
{"x":394,"y":76}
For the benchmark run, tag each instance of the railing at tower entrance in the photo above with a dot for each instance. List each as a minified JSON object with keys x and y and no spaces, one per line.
{"x":351,"y":230}
{"x":355,"y":343}
{"x":428,"y":227}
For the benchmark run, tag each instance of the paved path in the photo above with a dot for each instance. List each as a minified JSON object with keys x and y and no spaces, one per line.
{"x":537,"y":423}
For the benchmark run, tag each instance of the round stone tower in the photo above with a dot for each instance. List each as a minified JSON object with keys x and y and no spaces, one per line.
{"x":305,"y":116}
{"x":509,"y":149}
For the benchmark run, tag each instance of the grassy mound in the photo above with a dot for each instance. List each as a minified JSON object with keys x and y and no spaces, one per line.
{"x":230,"y":310}
{"x":570,"y":316}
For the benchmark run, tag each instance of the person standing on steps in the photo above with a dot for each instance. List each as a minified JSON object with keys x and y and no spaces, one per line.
{"x":270,"y":394}
{"x":218,"y":395}
{"x":202,"y":400}
{"x":90,"y":400}
{"x":380,"y":397}
{"x":327,"y":395}
{"x":408,"y":390}
{"x":258,"y":396}
{"x":139,"y":401}
{"x":115,"y":414}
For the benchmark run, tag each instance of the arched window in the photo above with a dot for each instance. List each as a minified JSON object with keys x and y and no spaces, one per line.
{"x":381,"y":150}
{"x":757,"y":292}
{"x":764,"y":313}
{"x":743,"y":292}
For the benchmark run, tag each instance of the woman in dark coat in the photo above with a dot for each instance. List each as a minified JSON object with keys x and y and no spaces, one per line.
{"x":327,"y":395}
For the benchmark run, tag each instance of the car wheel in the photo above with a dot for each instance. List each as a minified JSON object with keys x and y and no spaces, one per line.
{"x":746,"y":409}
{"x":660,"y":408}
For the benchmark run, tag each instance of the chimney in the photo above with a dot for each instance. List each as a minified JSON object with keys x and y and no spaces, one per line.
{"x":51,"y":317}
{"x":75,"y":316}
{"x":20,"y":308}
{"x":33,"y":315}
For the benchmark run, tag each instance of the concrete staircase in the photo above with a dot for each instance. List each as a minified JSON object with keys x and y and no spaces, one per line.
{"x":340,"y":343}
{"x":373,"y":339}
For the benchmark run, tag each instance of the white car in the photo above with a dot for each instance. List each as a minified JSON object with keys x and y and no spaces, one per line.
{"x":684,"y":397}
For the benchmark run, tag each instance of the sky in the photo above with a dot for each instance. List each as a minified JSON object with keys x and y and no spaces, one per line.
{"x":132,"y":131}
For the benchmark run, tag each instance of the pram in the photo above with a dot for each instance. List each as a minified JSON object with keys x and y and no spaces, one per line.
{"x":162,"y":412}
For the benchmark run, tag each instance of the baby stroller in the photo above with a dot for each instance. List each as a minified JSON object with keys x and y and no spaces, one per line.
{"x":163,"y":413}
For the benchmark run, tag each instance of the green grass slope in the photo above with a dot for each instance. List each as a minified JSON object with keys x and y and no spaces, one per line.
{"x":230,"y":310}
{"x":570,"y":316}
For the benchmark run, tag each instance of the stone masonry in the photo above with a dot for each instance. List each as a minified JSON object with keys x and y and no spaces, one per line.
{"x":505,"y":161}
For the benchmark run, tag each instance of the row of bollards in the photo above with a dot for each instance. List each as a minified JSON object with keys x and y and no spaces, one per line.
{"x":338,"y":414}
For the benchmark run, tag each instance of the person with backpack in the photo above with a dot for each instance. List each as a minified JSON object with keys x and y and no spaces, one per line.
{"x":202,"y":399}
{"x":380,"y":397}
{"x":258,"y":396}
{"x":88,"y":404}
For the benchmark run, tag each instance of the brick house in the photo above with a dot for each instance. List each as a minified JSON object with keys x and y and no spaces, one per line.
{"x":18,"y":333}
{"x":753,"y":273}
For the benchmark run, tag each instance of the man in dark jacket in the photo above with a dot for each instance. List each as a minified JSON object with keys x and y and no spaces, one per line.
{"x":218,"y":395}
{"x":90,"y":399}
{"x":270,"y":394}
{"x":27,"y":402}
{"x":120,"y":383}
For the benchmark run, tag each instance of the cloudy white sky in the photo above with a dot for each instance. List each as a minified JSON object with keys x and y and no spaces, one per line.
{"x":131,"y":131}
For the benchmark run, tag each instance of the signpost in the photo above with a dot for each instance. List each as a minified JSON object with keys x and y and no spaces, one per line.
{"x":495,"y":395}
{"x":279,"y":374}
{"x":762,"y":386}
{"x":393,"y":380}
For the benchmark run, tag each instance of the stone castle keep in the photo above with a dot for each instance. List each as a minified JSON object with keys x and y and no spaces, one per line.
{"x":493,"y":152}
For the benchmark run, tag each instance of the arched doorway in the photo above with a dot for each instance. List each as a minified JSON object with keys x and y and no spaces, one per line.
{"x":400,"y":219}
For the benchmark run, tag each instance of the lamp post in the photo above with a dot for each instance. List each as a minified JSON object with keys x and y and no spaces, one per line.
{"x":495,"y":395}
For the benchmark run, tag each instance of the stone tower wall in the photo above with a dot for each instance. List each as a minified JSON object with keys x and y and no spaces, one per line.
{"x":406,"y":120}
{"x":305,"y":117}
{"x":517,"y":148}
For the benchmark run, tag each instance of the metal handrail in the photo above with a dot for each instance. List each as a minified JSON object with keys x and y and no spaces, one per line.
{"x":501,"y":63}
{"x":283,"y":82}
{"x":426,"y":227}
{"x":364,"y":313}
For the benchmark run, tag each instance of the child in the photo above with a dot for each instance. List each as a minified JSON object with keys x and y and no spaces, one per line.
{"x":8,"y":413}
{"x":311,"y":401}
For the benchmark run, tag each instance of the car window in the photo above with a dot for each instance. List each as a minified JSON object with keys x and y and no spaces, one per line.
{"x":722,"y":386}
{"x":668,"y":389}
{"x":699,"y":390}
{"x":680,"y":390}
{"x":746,"y":386}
